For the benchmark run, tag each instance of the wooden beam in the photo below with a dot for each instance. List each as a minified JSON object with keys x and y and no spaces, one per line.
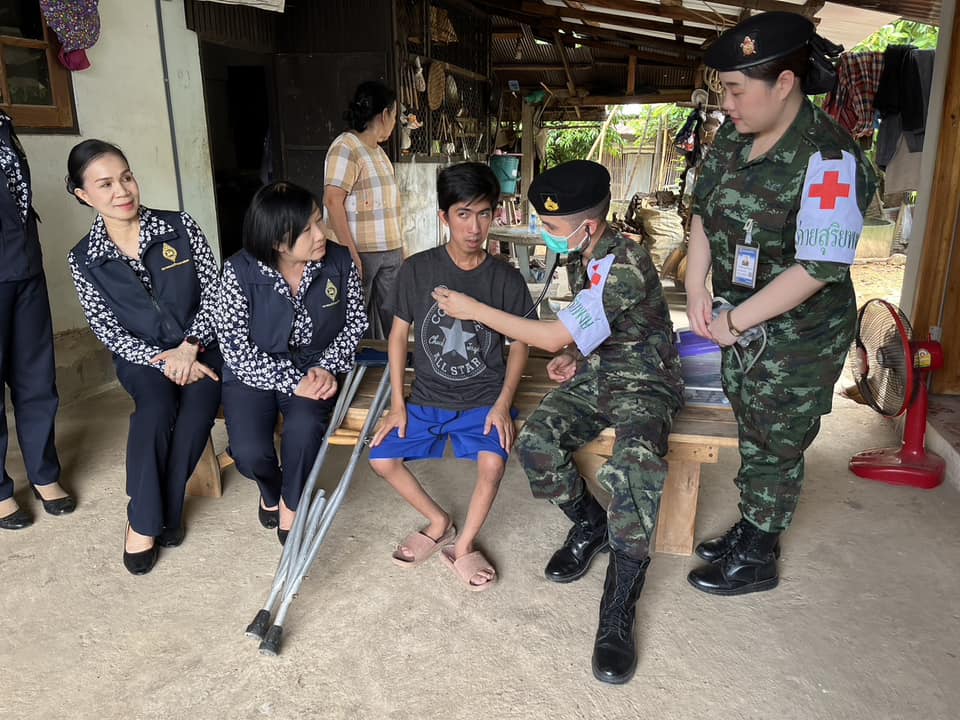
{"x":553,"y":11}
{"x":544,"y":67}
{"x":937,"y":300}
{"x":664,"y":96}
{"x":630,"y":37}
{"x":626,"y":51}
{"x":673,"y":13}
{"x":767,"y":5}
{"x":632,"y":75}
{"x":527,"y":152}
{"x":562,"y":52}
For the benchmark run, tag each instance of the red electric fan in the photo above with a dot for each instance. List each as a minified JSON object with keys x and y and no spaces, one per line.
{"x":891,"y":373}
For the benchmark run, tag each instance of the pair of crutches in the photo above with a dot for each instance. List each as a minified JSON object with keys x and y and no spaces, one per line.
{"x":316,"y":512}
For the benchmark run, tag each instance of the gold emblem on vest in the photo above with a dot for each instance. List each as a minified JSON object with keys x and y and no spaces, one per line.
{"x":170,"y":255}
{"x":331,"y":290}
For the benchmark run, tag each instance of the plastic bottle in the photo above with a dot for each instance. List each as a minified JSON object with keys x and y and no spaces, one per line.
{"x":532,"y":224}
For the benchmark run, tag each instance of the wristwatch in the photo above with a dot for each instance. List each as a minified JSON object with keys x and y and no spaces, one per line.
{"x":193,"y":340}
{"x":730,"y":326}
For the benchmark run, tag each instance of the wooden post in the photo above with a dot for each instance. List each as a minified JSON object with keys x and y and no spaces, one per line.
{"x":632,"y":75}
{"x":528,"y":151}
{"x":937,"y":303}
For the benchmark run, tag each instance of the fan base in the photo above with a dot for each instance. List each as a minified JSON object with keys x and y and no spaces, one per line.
{"x":895,"y":467}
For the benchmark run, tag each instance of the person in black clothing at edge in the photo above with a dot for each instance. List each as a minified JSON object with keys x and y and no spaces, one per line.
{"x":26,"y":333}
{"x":147,"y":281}
{"x":289,"y":319}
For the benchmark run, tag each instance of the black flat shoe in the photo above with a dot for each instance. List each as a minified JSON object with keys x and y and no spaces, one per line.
{"x":17,"y":520}
{"x":171,"y":537}
{"x":60,"y":506}
{"x":268,"y":518}
{"x":139,"y":563}
{"x":282,"y":536}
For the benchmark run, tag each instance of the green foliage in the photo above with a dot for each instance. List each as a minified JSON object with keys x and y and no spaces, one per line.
{"x":646,"y":125}
{"x":902,"y":32}
{"x":573,"y":143}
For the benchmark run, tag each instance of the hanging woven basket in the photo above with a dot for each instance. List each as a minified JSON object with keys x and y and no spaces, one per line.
{"x":436,"y":85}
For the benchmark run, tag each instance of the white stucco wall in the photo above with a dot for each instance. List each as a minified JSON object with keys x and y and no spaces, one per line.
{"x":121,"y":98}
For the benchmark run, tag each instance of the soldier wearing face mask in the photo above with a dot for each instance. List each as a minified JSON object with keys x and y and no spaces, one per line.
{"x":618,"y":367}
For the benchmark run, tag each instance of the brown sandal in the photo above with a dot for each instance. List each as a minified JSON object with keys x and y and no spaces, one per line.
{"x":469,"y":567}
{"x":421,"y":547}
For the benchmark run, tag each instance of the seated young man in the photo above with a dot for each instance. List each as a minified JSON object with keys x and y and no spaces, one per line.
{"x":463,"y":389}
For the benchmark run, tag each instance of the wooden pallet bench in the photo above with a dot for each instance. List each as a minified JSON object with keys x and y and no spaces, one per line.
{"x":696,"y":438}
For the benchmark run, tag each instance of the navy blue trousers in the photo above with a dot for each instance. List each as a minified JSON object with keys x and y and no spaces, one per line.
{"x":169,"y":428}
{"x":251,"y":416}
{"x":28,"y":369}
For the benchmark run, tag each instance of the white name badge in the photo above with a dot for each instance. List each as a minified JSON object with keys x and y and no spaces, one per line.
{"x":585,"y":317}
{"x":745,"y":262}
{"x":829,"y":222}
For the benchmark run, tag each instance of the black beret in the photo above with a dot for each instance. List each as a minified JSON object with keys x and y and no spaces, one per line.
{"x":569,"y":188}
{"x":759,"y":39}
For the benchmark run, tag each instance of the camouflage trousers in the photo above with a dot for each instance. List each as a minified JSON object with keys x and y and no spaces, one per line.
{"x":576,"y":413}
{"x":778,"y":407}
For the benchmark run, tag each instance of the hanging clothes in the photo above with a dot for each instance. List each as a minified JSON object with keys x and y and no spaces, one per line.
{"x":851,"y":104}
{"x":901,"y":100}
{"x":77,"y":26}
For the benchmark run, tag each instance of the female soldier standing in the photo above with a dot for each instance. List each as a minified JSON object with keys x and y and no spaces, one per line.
{"x":147,"y":282}
{"x":778,"y":210}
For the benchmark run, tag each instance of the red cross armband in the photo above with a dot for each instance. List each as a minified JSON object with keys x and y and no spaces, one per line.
{"x":829,"y":222}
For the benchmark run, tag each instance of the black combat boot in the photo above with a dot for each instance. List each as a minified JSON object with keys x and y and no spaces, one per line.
{"x":586,"y":538}
{"x":615,"y":649}
{"x":713,"y":550}
{"x":749,"y":566}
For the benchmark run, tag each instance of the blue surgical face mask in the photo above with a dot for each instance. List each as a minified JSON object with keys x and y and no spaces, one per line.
{"x":561,"y":245}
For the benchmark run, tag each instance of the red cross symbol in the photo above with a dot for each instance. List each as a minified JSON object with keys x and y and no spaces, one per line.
{"x":829,"y":190}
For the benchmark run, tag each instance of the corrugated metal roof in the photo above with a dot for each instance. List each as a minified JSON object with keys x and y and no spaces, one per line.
{"x":664,"y":38}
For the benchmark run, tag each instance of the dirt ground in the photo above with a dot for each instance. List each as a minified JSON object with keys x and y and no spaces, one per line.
{"x":879,"y":279}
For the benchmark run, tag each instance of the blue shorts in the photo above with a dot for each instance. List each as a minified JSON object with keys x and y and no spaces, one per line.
{"x":428,"y":429}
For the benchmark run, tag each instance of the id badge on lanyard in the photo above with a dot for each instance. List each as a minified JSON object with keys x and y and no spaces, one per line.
{"x":746,"y":259}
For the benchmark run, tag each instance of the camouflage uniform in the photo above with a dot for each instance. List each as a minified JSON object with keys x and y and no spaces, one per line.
{"x":632,"y":383}
{"x":778,"y":403}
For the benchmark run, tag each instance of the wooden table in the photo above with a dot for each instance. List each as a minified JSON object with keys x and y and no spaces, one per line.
{"x":521,"y":241}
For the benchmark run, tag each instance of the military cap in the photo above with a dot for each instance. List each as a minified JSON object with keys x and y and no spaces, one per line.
{"x":759,"y":39}
{"x":569,"y":188}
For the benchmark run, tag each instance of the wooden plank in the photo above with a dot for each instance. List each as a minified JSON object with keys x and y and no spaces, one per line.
{"x":631,"y":75}
{"x":676,"y":521}
{"x":610,"y":18}
{"x":673,"y":13}
{"x":527,"y":152}
{"x":205,"y":481}
{"x":937,"y":299}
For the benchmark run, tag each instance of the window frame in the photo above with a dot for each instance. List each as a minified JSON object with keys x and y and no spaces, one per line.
{"x":59,"y":117}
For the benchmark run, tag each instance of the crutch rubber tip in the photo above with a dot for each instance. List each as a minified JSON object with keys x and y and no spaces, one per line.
{"x":258,"y":628}
{"x":271,"y":642}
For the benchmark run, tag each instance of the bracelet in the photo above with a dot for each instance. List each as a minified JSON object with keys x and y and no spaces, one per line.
{"x":733,"y":328}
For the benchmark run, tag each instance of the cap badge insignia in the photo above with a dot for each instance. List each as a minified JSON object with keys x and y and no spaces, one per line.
{"x":169,"y":253}
{"x":748,"y":47}
{"x":551,"y":204}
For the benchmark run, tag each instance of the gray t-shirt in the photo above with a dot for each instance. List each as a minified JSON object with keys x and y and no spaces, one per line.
{"x":459,"y":364}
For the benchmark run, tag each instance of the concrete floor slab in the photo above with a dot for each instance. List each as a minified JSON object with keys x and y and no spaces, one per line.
{"x":863,"y":625}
